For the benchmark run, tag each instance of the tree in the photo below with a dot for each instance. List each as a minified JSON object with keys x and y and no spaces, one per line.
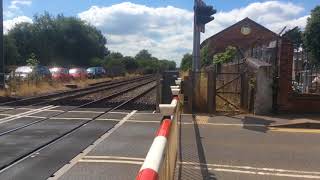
{"x":11,"y":54}
{"x":143,"y":55}
{"x":130,"y":64}
{"x":32,"y":61}
{"x":295,"y":36}
{"x":205,"y":58}
{"x":96,"y":61}
{"x":312,"y":34}
{"x":186,"y":62}
{"x":59,"y":40}
{"x":225,"y":56}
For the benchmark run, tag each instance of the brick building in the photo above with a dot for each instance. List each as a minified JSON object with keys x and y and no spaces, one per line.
{"x":244,"y":35}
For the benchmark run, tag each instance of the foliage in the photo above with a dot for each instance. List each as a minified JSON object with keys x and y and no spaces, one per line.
{"x":312,"y":33}
{"x":69,"y":41}
{"x":295,"y":36}
{"x":205,"y":58}
{"x":130,"y":64}
{"x":186,"y":62}
{"x":32,"y":60}
{"x":11,"y":55}
{"x":225,"y":56}
{"x":58,"y":40}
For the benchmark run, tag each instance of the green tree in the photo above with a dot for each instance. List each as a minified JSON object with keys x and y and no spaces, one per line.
{"x":32,"y":60}
{"x":228,"y":55}
{"x":143,"y":55}
{"x":96,"y":61}
{"x":130,"y":64}
{"x":205,"y":58}
{"x":312,"y":34}
{"x":11,"y":54}
{"x":186,"y":62}
{"x":295,"y":36}
{"x":59,"y":40}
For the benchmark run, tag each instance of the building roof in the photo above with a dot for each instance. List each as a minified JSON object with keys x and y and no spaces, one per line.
{"x":233,"y":36}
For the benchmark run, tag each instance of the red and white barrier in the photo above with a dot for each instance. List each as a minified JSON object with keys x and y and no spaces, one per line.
{"x":154,"y":158}
{"x":152,"y":163}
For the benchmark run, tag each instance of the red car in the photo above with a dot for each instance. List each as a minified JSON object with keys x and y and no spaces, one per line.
{"x":60,"y":74}
{"x":78,"y":73}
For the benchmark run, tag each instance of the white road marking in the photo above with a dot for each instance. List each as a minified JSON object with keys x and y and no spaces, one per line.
{"x":267,"y":173}
{"x":101,"y":119}
{"x":76,"y":159}
{"x":256,"y":170}
{"x":112,"y":161}
{"x":20,"y":115}
{"x":71,"y":118}
{"x":228,"y":124}
{"x":6,"y":108}
{"x":98,"y":112}
{"x":140,"y":121}
{"x":113,"y":157}
{"x":5,"y":114}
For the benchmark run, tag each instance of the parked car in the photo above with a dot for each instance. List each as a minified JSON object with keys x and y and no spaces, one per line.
{"x":60,"y":74}
{"x":96,"y":72}
{"x":78,"y":73}
{"x":25,"y":72}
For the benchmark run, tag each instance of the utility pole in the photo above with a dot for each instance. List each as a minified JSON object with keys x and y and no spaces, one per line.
{"x":202,"y":16}
{"x":2,"y":80}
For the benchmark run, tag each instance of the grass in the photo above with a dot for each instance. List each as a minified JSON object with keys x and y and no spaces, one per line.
{"x":24,"y":89}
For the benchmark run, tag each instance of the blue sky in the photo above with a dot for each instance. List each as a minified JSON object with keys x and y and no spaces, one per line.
{"x":153,"y":25}
{"x":73,"y":7}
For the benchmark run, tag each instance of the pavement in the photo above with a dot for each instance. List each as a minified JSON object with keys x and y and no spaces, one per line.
{"x":112,"y":147}
{"x":244,"y":147}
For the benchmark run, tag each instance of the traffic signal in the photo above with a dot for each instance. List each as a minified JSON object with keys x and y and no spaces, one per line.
{"x":204,"y":14}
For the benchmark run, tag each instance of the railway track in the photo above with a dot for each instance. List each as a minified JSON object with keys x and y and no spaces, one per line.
{"x":149,"y":82}
{"x":71,"y":94}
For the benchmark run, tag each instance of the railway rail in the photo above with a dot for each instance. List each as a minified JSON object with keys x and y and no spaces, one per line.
{"x":129,"y":87}
{"x":71,"y":94}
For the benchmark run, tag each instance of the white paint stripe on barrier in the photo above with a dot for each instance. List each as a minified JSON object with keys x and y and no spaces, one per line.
{"x":155,"y":155}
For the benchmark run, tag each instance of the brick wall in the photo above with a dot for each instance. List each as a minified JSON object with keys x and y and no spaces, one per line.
{"x":287,"y":100}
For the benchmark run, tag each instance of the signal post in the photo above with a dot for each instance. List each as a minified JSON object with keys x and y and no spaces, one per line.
{"x":202,"y":15}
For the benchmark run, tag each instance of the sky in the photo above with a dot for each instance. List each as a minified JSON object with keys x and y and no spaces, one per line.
{"x":163,"y":27}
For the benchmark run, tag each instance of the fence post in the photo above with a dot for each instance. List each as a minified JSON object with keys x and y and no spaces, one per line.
{"x":211,"y":91}
{"x":244,"y":91}
{"x":159,"y":93}
{"x":190,"y":91}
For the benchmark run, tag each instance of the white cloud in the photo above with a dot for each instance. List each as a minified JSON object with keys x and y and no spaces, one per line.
{"x":17,"y":3}
{"x":167,"y":31}
{"x":15,"y":7}
{"x":9,"y":24}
